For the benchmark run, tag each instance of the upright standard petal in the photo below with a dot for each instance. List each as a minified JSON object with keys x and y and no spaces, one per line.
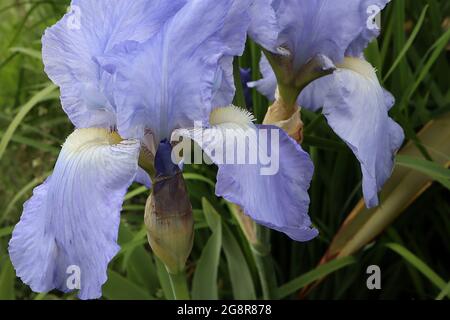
{"x":332,"y":28}
{"x":92,"y":28}
{"x":329,"y":29}
{"x":264,"y":27}
{"x":370,"y":30}
{"x":234,"y":33}
{"x":261,"y":169}
{"x":71,"y":222}
{"x":356,"y":108}
{"x":179,"y":75}
{"x":355,"y":104}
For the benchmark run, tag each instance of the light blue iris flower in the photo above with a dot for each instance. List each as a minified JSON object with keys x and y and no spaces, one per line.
{"x":333,"y":35}
{"x":133,"y":74}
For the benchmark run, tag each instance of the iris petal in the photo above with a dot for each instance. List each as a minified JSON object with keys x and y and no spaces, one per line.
{"x":278,"y":201}
{"x":93,"y":28}
{"x":142,"y":177}
{"x":369,"y":9}
{"x":333,"y":28}
{"x":356,"y":108}
{"x":273,"y":196}
{"x":72,"y":219}
{"x":173,"y":79}
{"x":264,"y":25}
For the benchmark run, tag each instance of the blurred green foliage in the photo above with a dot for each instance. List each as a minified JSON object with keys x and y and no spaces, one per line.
{"x":412,"y":59}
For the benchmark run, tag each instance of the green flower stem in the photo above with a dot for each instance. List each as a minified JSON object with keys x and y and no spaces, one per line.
{"x":264,"y":263}
{"x":292,"y":81}
{"x":179,"y":286}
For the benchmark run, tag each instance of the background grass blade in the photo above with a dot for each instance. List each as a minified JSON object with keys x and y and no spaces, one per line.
{"x":120,"y":288}
{"x":444,"y":292}
{"x":419,"y":265}
{"x":204,"y":284}
{"x":7,"y":277}
{"x":430,"y":168}
{"x":313,"y":275}
{"x":438,"y":48}
{"x":6,"y":231}
{"x":240,"y":276}
{"x":136,"y":261}
{"x":24,"y":110}
{"x":363,"y":225}
{"x":408,"y":44}
{"x":22,"y":192}
{"x":28,"y":52}
{"x":33,"y":143}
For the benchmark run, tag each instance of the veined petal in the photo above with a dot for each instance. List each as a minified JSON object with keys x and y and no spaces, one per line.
{"x":92,"y":28}
{"x":370,"y":30}
{"x":271,"y":188}
{"x":356,"y":107}
{"x":72,"y":219}
{"x":332,"y":28}
{"x":234,"y":35}
{"x":279,"y":201}
{"x":181,"y":73}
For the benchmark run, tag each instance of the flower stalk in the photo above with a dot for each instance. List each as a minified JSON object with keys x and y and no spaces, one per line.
{"x":258,"y":238}
{"x":179,"y":286}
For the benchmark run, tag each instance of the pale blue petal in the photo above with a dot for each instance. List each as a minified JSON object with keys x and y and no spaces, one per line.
{"x":279,"y":201}
{"x":92,"y":28}
{"x":273,"y":195}
{"x":328,"y":27}
{"x":313,"y":96}
{"x":264,"y":25}
{"x":142,"y":177}
{"x":234,"y":35}
{"x":356,"y":108}
{"x":72,"y":219}
{"x":369,"y":30}
{"x":172,"y":80}
{"x":223,"y":89}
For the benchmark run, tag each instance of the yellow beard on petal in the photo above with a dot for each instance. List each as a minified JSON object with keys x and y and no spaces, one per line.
{"x":231,"y":114}
{"x":82,"y":138}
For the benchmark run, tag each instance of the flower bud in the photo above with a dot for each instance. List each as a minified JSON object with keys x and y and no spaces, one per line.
{"x":168,"y":217}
